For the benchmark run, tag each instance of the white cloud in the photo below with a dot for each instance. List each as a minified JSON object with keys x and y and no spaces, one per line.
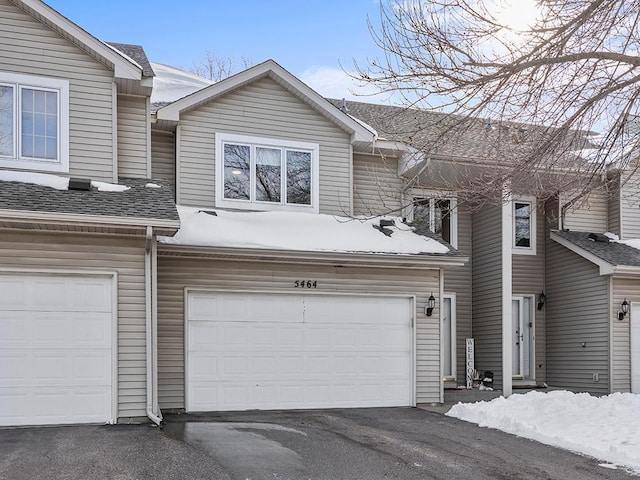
{"x":336,"y":83}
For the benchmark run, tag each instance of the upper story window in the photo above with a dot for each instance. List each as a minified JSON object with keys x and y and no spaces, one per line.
{"x":34,"y":123}
{"x":264,"y":174}
{"x":524,"y":227}
{"x":440,"y":215}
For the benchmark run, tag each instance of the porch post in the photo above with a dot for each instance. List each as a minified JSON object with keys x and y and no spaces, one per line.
{"x":507,"y":241}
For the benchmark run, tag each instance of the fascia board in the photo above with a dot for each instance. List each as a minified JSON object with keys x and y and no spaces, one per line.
{"x":270,"y":68}
{"x":101,"y":220}
{"x":382,"y":260}
{"x":123,"y":68}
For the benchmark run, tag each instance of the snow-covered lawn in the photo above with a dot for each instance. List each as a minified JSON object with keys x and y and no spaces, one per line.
{"x":606,"y":428}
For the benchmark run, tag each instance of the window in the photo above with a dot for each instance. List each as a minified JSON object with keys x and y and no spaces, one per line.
{"x":34,"y":122}
{"x":524,"y":227}
{"x":264,"y":174}
{"x":440,"y":215}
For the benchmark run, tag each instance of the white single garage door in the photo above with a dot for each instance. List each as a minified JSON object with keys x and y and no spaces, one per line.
{"x":271,"y":351}
{"x":55,"y":349}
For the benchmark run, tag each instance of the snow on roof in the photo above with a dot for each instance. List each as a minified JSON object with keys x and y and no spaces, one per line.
{"x":54,"y":181}
{"x":171,"y":84}
{"x":298,"y":232}
{"x":607,"y":428}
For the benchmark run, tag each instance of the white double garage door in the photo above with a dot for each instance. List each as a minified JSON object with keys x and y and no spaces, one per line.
{"x":56,"y":349}
{"x":291,"y":351}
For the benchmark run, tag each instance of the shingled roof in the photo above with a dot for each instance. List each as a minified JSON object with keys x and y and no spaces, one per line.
{"x":447,"y":135}
{"x":137,"y":54}
{"x":138,"y":202}
{"x":612,"y":252}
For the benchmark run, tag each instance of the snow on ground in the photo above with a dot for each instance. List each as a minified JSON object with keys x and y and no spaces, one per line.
{"x":606,"y":428}
{"x":55,"y":181}
{"x":296,"y":231}
{"x":171,"y":84}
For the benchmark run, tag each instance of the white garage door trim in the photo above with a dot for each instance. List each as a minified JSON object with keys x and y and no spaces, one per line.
{"x":113,"y":277}
{"x":412,"y":298}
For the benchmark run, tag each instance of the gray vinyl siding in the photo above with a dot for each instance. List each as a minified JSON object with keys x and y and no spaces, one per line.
{"x":264,"y":109}
{"x":377,"y":189}
{"x":31,"y":48}
{"x":528,"y":279}
{"x":133,"y":125}
{"x":577,"y":312}
{"x":623,"y":289}
{"x":458,"y":280}
{"x":163,"y":155}
{"x":87,"y":252}
{"x":630,"y":205}
{"x":588,"y":214}
{"x":613,"y":204}
{"x":487,"y":290}
{"x":176,"y":273}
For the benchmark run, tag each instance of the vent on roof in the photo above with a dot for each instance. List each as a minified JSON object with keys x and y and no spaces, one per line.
{"x":598,"y":237}
{"x":387,"y":223}
{"x":343,"y":107}
{"x":82,"y":184}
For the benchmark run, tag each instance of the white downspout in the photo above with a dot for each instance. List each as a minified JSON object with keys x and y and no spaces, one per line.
{"x":150,"y":333}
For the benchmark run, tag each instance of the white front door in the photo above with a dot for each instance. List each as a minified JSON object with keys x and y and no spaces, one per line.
{"x":448,"y":337}
{"x":523,"y":338}
{"x":56,"y":337}
{"x":286,"y":351}
{"x":634,"y":331}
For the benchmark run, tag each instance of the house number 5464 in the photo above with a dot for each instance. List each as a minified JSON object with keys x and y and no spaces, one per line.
{"x":305,"y":284}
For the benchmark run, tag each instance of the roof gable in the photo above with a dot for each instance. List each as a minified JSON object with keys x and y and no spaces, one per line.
{"x":611,"y":257}
{"x":285,"y":79}
{"x":123,"y":67}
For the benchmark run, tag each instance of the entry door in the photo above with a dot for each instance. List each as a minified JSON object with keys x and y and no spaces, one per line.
{"x":523,"y":338}
{"x":634,"y":326}
{"x":449,"y":337}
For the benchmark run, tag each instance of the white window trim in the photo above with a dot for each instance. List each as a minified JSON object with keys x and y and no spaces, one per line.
{"x":531,"y":250}
{"x":453,"y":213}
{"x":222,"y":202}
{"x":18,"y":82}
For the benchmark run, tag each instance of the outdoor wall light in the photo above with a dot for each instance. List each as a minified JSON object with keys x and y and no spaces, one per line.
{"x":541,"y":299}
{"x":624,"y":309}
{"x":431,"y":304}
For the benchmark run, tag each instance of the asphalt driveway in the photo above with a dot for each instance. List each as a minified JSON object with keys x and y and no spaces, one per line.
{"x":402,"y":443}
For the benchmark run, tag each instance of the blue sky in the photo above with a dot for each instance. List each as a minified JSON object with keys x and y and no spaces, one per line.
{"x":310,"y":38}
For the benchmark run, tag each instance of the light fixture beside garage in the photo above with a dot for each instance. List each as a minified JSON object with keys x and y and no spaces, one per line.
{"x":624,"y":309}
{"x":431,"y":304}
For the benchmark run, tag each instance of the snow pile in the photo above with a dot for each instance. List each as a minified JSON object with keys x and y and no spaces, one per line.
{"x":171,"y":84}
{"x":607,"y":428}
{"x":54,"y":181}
{"x":296,"y":231}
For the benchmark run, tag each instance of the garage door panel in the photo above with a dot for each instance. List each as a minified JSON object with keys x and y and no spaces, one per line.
{"x":312,"y":362}
{"x":16,"y":331}
{"x":56,"y":350}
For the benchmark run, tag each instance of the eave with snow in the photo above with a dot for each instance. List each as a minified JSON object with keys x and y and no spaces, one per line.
{"x":287,"y":237}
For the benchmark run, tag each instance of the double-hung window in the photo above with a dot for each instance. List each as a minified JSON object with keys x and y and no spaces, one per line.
{"x":265,"y":174}
{"x":524,"y":227}
{"x":440,"y":215}
{"x":34,"y":119}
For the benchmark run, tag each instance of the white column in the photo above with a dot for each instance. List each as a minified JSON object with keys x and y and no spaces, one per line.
{"x":507,"y":242}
